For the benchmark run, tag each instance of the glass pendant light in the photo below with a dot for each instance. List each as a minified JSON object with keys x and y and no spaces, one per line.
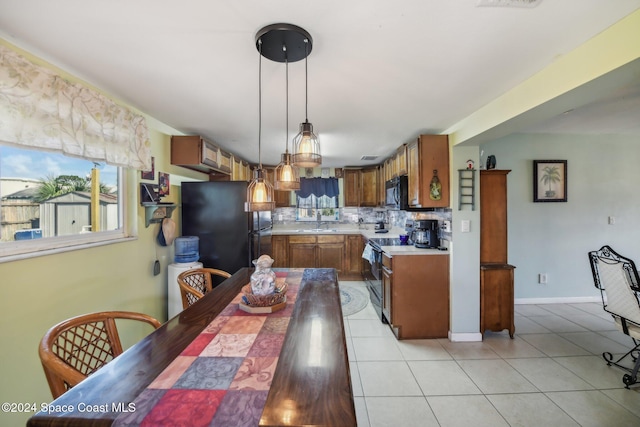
{"x":287,"y":175}
{"x":306,"y":147}
{"x":259,"y":191}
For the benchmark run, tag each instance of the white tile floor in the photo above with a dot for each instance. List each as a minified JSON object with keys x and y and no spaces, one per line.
{"x":551,"y":374}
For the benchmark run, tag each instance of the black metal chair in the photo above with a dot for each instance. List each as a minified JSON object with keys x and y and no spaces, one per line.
{"x":617,"y":278}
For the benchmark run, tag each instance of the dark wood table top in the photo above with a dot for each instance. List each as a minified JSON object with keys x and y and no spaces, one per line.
{"x":311,"y":385}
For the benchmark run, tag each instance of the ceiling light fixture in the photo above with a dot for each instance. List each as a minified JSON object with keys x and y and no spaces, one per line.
{"x":259,"y":191}
{"x":287,"y":175}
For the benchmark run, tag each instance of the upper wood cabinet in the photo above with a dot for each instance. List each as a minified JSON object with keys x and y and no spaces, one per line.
{"x":282,"y":198}
{"x":401,"y":166}
{"x":194,"y":152}
{"x":425,"y":157}
{"x":351,"y":185}
{"x":361,"y":187}
{"x":369,"y":187}
{"x":240,"y":169}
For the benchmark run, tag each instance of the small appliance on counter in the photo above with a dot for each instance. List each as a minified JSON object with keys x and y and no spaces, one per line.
{"x":425,"y":234}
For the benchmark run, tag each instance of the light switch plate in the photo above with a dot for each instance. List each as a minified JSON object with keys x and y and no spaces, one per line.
{"x":465,"y":226}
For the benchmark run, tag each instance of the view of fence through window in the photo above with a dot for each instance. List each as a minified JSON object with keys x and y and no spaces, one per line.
{"x":45,"y":194}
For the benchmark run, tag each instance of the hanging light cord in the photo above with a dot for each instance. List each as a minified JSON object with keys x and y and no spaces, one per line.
{"x":306,"y":81}
{"x":260,"y":104}
{"x":286,"y":63}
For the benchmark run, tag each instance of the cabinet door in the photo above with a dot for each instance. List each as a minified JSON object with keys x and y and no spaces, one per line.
{"x":351,"y":187}
{"x":434,"y":156}
{"x":280,"y":249}
{"x":387,"y":283}
{"x":413,"y":173}
{"x":302,"y":255}
{"x":353,"y":260}
{"x":369,"y":187}
{"x":330,"y":255}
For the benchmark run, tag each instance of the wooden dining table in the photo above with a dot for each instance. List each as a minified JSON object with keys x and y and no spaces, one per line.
{"x":310,"y":384}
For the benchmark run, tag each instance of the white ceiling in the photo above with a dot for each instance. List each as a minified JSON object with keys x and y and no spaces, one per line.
{"x":380,"y":73}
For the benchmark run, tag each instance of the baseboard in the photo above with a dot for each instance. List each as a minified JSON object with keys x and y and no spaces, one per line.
{"x":558,"y":300}
{"x":465,"y":336}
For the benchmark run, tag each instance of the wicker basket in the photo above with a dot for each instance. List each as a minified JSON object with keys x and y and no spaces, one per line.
{"x":264,"y":300}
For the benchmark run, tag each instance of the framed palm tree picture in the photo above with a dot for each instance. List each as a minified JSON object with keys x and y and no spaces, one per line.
{"x":549,"y":180}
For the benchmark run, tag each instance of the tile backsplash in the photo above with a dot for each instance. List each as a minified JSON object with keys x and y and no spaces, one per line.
{"x":395,"y":218}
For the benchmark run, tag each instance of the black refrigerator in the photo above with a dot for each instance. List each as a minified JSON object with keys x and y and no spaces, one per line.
{"x":229,"y":237}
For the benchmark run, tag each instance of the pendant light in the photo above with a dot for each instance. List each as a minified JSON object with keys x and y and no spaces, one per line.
{"x":259,"y":191}
{"x":306,"y":147}
{"x":287,"y":175}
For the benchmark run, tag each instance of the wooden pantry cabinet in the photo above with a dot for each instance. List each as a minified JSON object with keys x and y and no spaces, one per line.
{"x":496,"y":274}
{"x":415,"y":295}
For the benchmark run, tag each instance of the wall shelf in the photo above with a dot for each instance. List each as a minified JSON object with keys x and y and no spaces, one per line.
{"x":157,"y":212}
{"x":466,"y":188}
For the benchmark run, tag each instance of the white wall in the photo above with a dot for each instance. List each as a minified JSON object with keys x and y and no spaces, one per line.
{"x":554,"y":238}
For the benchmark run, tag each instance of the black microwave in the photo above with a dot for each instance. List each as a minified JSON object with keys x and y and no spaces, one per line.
{"x":397,"y":193}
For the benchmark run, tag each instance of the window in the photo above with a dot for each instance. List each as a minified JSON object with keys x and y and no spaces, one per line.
{"x":46,"y":202}
{"x":314,"y":208}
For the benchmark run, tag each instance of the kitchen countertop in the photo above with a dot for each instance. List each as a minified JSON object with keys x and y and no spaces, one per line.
{"x":367,"y":231}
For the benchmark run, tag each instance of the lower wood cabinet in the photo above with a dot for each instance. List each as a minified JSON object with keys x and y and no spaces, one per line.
{"x":340,"y":251}
{"x":280,"y":251}
{"x":496,"y":297}
{"x":415,"y":298}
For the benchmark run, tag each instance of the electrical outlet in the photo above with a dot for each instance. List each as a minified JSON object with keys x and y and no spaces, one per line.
{"x":446,"y":226}
{"x":612,"y":220}
{"x":542,"y":278}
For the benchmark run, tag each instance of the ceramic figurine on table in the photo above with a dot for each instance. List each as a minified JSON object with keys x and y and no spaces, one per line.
{"x":263,"y":280}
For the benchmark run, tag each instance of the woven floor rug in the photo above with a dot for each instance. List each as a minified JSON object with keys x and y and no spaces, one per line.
{"x":353,"y":298}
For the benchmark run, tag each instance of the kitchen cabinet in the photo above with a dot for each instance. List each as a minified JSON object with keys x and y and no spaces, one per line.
{"x":496,"y":275}
{"x":281,"y":198}
{"x":361,"y":187}
{"x":427,"y":154}
{"x":318,"y":251}
{"x":353,"y":262}
{"x":340,"y":251}
{"x":280,"y":251}
{"x":416,"y":295}
{"x":240,"y":169}
{"x":194,"y":152}
{"x":401,"y":160}
{"x":351,"y":187}
{"x":387,"y":286}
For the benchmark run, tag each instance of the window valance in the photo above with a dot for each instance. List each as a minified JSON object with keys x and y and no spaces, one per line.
{"x":43,"y":110}
{"x":318,"y":187}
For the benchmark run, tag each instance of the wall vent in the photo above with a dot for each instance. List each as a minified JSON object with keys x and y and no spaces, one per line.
{"x":508,"y":3}
{"x":368,"y":157}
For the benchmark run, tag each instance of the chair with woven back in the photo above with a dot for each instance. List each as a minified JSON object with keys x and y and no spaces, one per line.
{"x":195,"y":283}
{"x":617,"y":279}
{"x":77,"y":347}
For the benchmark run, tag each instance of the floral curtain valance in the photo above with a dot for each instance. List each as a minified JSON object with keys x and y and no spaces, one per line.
{"x":43,"y":110}
{"x":318,"y":187}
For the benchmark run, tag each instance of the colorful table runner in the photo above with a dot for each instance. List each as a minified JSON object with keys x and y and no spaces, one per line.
{"x":223,"y":377}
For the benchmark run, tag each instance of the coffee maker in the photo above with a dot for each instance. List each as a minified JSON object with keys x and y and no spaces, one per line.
{"x":425,"y":234}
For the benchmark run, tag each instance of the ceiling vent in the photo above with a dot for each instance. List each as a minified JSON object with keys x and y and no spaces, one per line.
{"x":508,"y":3}
{"x":368,"y":157}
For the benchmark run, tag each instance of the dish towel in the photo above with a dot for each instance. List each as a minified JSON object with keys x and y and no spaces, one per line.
{"x":368,"y":254}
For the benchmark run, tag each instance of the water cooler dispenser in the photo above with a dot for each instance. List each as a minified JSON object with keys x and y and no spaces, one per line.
{"x":186,"y":258}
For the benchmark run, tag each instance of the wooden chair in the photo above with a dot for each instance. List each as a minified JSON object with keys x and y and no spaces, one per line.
{"x":619,"y":284}
{"x":197,"y":282}
{"x":75,"y":348}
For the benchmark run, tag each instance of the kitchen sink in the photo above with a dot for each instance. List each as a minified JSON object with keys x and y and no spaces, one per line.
{"x":317,"y":230}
